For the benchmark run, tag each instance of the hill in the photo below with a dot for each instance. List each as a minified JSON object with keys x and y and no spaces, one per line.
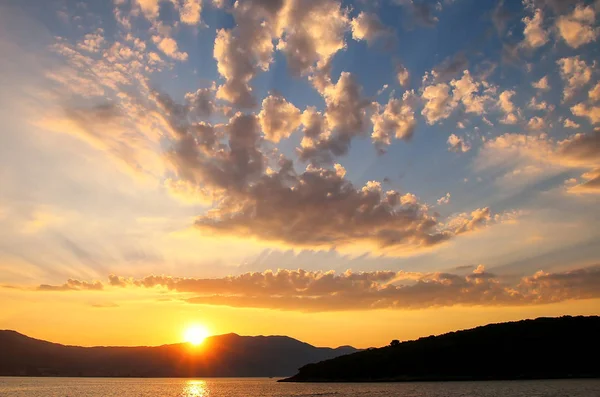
{"x":223,"y":355}
{"x":531,"y":349}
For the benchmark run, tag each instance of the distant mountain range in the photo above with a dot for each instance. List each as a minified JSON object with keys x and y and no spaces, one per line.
{"x":565,"y":347}
{"x":228,"y":355}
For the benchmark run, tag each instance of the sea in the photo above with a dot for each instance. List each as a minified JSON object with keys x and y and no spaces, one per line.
{"x":266,"y":387}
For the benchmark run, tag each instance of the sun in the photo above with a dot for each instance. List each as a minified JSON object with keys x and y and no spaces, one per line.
{"x":196,"y":334}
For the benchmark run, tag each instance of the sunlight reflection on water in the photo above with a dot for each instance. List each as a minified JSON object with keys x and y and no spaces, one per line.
{"x":253,"y":387}
{"x":195,"y":388}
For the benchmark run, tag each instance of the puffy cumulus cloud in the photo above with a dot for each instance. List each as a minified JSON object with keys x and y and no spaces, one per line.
{"x":367,"y":26}
{"x":448,"y":69}
{"x":92,"y":42}
{"x":542,"y":84}
{"x":73,"y":285}
{"x":309,"y":33}
{"x":458,"y":144}
{"x":575,"y":73}
{"x":534,"y":33}
{"x":577,"y":28}
{"x":319,"y":207}
{"x":402,"y":75}
{"x":505,"y":103}
{"x":314,"y":33}
{"x":466,"y":91}
{"x":439,"y":103}
{"x":169,"y":47}
{"x":538,"y":105}
{"x":278,"y":118}
{"x":150,"y":8}
{"x":568,"y":123}
{"x":444,"y":200}
{"x":247,"y":48}
{"x":590,"y":111}
{"x":190,"y":11}
{"x":318,"y":291}
{"x":536,"y":123}
{"x":465,"y":222}
{"x":345,"y":118}
{"x":594,"y":93}
{"x":396,"y":119}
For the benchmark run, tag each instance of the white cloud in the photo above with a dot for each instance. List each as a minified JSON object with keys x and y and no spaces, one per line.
{"x":278,"y":118}
{"x":170,"y":48}
{"x":367,"y":26}
{"x":190,"y":11}
{"x":589,"y":111}
{"x":439,"y":104}
{"x":396,"y":119}
{"x":575,"y":73}
{"x":536,"y":123}
{"x":466,"y":91}
{"x":403,"y":75}
{"x":542,"y":84}
{"x":457,"y":144}
{"x":535,"y":35}
{"x":577,"y":28}
{"x":594,"y":93}
{"x":570,"y":124}
{"x":444,"y":200}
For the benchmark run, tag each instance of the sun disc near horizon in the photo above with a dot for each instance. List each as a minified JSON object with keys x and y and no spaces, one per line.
{"x":196,"y":334}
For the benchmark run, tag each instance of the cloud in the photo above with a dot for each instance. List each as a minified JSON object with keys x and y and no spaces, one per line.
{"x":457,"y":144}
{"x":534,"y":34}
{"x":345,"y":118}
{"x":591,"y":184}
{"x":278,"y":118}
{"x":577,"y":28}
{"x":421,"y":11}
{"x":506,"y":104}
{"x":439,"y":104}
{"x":320,"y":208}
{"x":367,"y":26}
{"x":92,"y":42}
{"x":534,"y":104}
{"x":575,"y":73}
{"x":448,"y":69}
{"x":589,"y":111}
{"x":170,"y":48}
{"x":466,"y":91}
{"x":542,"y":153}
{"x":542,"y":84}
{"x":594,"y":93}
{"x":568,"y":123}
{"x":536,"y":123}
{"x":396,"y":119}
{"x":150,"y":8}
{"x":402,"y":75}
{"x":189,"y":12}
{"x":444,"y":200}
{"x":318,"y":291}
{"x":73,"y":285}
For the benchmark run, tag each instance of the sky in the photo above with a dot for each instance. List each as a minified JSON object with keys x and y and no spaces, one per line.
{"x":342,"y":172}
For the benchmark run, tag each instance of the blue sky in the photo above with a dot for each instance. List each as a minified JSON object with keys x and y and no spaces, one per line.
{"x":197,"y":138}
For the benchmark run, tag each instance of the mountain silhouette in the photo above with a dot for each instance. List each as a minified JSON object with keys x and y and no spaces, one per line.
{"x":228,"y":355}
{"x":565,"y":347}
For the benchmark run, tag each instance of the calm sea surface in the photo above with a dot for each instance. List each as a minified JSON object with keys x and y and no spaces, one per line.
{"x":227,"y":387}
